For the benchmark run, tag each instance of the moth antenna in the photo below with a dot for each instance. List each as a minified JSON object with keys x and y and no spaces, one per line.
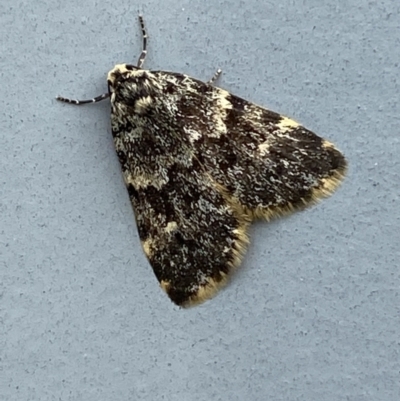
{"x":85,"y":101}
{"x":142,"y":56}
{"x":96,"y":99}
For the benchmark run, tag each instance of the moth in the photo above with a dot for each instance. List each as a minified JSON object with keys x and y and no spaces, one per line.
{"x":200,"y":164}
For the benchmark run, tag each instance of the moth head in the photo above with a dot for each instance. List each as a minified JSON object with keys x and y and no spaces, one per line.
{"x":129,"y":84}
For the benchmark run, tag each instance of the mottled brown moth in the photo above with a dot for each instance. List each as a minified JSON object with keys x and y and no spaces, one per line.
{"x":200,"y":164}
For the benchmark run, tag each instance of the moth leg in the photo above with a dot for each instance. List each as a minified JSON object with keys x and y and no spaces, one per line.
{"x":79,"y":102}
{"x":215,"y":76}
{"x":142,"y":56}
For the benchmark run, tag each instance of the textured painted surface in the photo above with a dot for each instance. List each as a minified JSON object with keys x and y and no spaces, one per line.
{"x":313,"y":314}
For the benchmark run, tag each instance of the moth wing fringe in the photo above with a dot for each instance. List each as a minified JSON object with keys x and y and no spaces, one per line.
{"x":212,"y":287}
{"x":326,"y":188}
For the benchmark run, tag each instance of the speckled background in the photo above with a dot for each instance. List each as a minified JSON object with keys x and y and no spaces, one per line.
{"x":314,"y":312}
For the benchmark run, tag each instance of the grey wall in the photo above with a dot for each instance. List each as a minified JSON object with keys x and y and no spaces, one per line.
{"x":313,"y":313}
